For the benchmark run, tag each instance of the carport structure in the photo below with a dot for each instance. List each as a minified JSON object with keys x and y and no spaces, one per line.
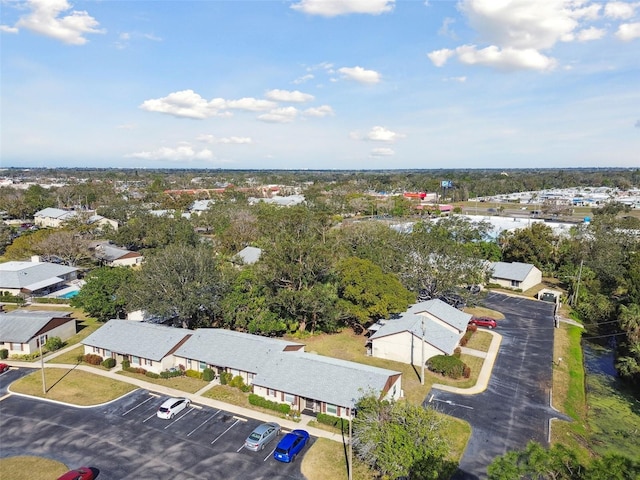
{"x":515,"y":408}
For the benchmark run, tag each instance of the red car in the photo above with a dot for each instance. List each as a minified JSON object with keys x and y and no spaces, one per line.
{"x":82,"y":473}
{"x":3,"y":367}
{"x":483,"y":322}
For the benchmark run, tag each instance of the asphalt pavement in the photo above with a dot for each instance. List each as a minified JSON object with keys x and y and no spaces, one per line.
{"x":515,"y":405}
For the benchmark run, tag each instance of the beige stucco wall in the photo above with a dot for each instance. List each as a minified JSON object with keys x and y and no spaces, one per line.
{"x":402,"y":347}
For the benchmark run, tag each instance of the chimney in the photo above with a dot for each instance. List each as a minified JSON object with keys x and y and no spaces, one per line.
{"x":35,"y":259}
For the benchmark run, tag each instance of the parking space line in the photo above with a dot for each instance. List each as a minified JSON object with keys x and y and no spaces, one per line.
{"x":210,"y":418}
{"x":233,"y":425}
{"x":180,"y":417}
{"x":269,"y":456}
{"x":150,"y":417}
{"x":238,"y":450}
{"x":139,"y":405}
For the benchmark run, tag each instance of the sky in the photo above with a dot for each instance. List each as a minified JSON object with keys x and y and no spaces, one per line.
{"x":320,"y":84}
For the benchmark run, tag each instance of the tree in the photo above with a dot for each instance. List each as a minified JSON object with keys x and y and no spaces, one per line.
{"x":180,"y":282}
{"x":64,"y":245}
{"x":103,"y":295}
{"x":367,"y":293}
{"x":534,"y":245}
{"x":54,"y":343}
{"x":400,"y":439}
{"x":150,"y":231}
{"x":25,"y":245}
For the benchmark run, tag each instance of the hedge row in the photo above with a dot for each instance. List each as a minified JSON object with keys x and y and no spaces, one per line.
{"x":258,"y":401}
{"x":340,"y":423}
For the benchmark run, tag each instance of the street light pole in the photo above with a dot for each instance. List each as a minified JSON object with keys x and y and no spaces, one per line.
{"x":422,"y":356}
{"x":351,"y":440}
{"x":44,"y":384}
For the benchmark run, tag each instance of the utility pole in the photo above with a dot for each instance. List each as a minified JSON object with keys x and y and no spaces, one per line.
{"x":351,"y":440}
{"x":422,"y":356}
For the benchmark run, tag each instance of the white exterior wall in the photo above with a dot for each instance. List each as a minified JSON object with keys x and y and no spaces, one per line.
{"x":402,"y":347}
{"x":126,"y":262}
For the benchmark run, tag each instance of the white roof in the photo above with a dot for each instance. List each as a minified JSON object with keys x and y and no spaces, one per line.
{"x":27,"y":274}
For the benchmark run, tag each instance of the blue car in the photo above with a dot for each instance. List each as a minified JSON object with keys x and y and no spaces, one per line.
{"x":290,"y":445}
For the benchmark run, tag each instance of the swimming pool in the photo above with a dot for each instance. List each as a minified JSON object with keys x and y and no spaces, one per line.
{"x":70,"y":294}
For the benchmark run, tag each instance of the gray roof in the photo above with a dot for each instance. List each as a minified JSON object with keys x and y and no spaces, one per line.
{"x":435,"y":333}
{"x":55,"y":213}
{"x":22,"y":274}
{"x":249,"y":255}
{"x":322,"y":378}
{"x":140,"y":339}
{"x":511,"y":271}
{"x":226,"y":348}
{"x":111,"y":253}
{"x":22,"y":326}
{"x":201,"y":205}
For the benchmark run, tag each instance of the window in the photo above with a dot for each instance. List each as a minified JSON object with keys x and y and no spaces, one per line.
{"x":135,"y":360}
{"x":189,"y":363}
{"x":203,"y":365}
{"x":148,"y":362}
{"x":96,"y":350}
{"x":289,"y":398}
{"x":332,"y":409}
{"x":107,"y":353}
{"x":515,"y":283}
{"x":271,"y":392}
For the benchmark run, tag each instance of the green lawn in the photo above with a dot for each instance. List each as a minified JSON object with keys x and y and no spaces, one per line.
{"x":30,"y":468}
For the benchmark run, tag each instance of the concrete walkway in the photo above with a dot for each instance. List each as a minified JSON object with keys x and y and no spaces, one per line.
{"x":303,"y":422}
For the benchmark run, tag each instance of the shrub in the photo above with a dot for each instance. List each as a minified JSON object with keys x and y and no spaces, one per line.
{"x":126,"y":364}
{"x":225,"y":378}
{"x":92,"y":359}
{"x":208,"y":375}
{"x":457,"y":352}
{"x":472,"y":328}
{"x":237,"y":382}
{"x":258,"y":401}
{"x":54,"y":343}
{"x":171,"y":373}
{"x":8,"y":298}
{"x":109,"y":363}
{"x":449,"y":366}
{"x":80,"y":358}
{"x":135,"y":370}
{"x":152,"y":375}
{"x":193,"y":374}
{"x":4,"y":353}
{"x":465,"y":338}
{"x":340,"y":423}
{"x":50,"y":300}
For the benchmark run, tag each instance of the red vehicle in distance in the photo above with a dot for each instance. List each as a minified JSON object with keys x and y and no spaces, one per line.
{"x":483,"y":322}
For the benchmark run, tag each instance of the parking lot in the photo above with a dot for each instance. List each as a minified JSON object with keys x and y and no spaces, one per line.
{"x":515,"y":408}
{"x":125,"y":439}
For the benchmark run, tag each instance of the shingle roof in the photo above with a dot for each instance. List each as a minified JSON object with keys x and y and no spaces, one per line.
{"x":322,"y":378}
{"x":22,"y":274}
{"x":140,"y":339}
{"x":111,"y":253}
{"x":435,"y":333}
{"x":55,"y":213}
{"x":511,"y":271}
{"x":250,"y":255}
{"x":226,"y":348}
{"x":20,"y":327}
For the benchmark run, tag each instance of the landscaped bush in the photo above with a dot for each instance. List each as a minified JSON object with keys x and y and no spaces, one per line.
{"x":50,"y":300}
{"x":8,"y":298}
{"x":171,"y":373}
{"x":472,"y":328}
{"x":125,"y":364}
{"x":258,"y":401}
{"x":92,"y":359}
{"x":467,"y":335}
{"x":225,"y":378}
{"x":109,"y":363}
{"x":340,"y":423}
{"x":457,"y":352}
{"x":4,"y":353}
{"x":54,"y":343}
{"x":448,"y":366}
{"x":193,"y":374}
{"x":208,"y":375}
{"x":135,"y":370}
{"x":152,"y":375}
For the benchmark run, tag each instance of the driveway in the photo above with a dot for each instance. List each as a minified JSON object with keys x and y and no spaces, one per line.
{"x":515,"y":407}
{"x":125,"y":439}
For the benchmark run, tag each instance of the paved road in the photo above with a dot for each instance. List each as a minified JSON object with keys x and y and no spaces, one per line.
{"x":515,"y":407}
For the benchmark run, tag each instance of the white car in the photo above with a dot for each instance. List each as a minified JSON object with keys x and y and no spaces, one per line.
{"x":171,"y":406}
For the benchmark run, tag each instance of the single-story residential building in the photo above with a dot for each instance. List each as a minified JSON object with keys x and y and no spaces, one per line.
{"x":249,"y":255}
{"x":229,"y":351}
{"x":35,"y":277}
{"x":100,"y":222}
{"x":314,"y":383}
{"x":113,"y":256}
{"x":515,"y":275}
{"x":52,"y":217}
{"x":425,"y":330}
{"x":21,"y":331}
{"x":144,"y":345}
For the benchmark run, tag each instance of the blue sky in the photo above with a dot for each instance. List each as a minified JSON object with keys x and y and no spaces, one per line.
{"x":320,"y":84}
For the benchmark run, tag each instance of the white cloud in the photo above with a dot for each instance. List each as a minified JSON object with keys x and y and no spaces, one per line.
{"x":251,"y":104}
{"x":382,"y":152}
{"x":456,"y":79}
{"x":445,"y":31}
{"x":620,"y":10}
{"x":185,"y":103}
{"x":184,"y":152}
{"x":8,"y":29}
{"x":127,"y":126}
{"x":288,"y":96}
{"x":224,"y":140}
{"x":303,"y":79}
{"x":440,"y":57}
{"x":591,"y":33}
{"x":45,"y":18}
{"x":360,"y":75}
{"x":322,"y":111}
{"x":381,"y":134}
{"x":280,"y":115}
{"x":628,"y":31}
{"x":503,"y":59}
{"x":333,"y":8}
